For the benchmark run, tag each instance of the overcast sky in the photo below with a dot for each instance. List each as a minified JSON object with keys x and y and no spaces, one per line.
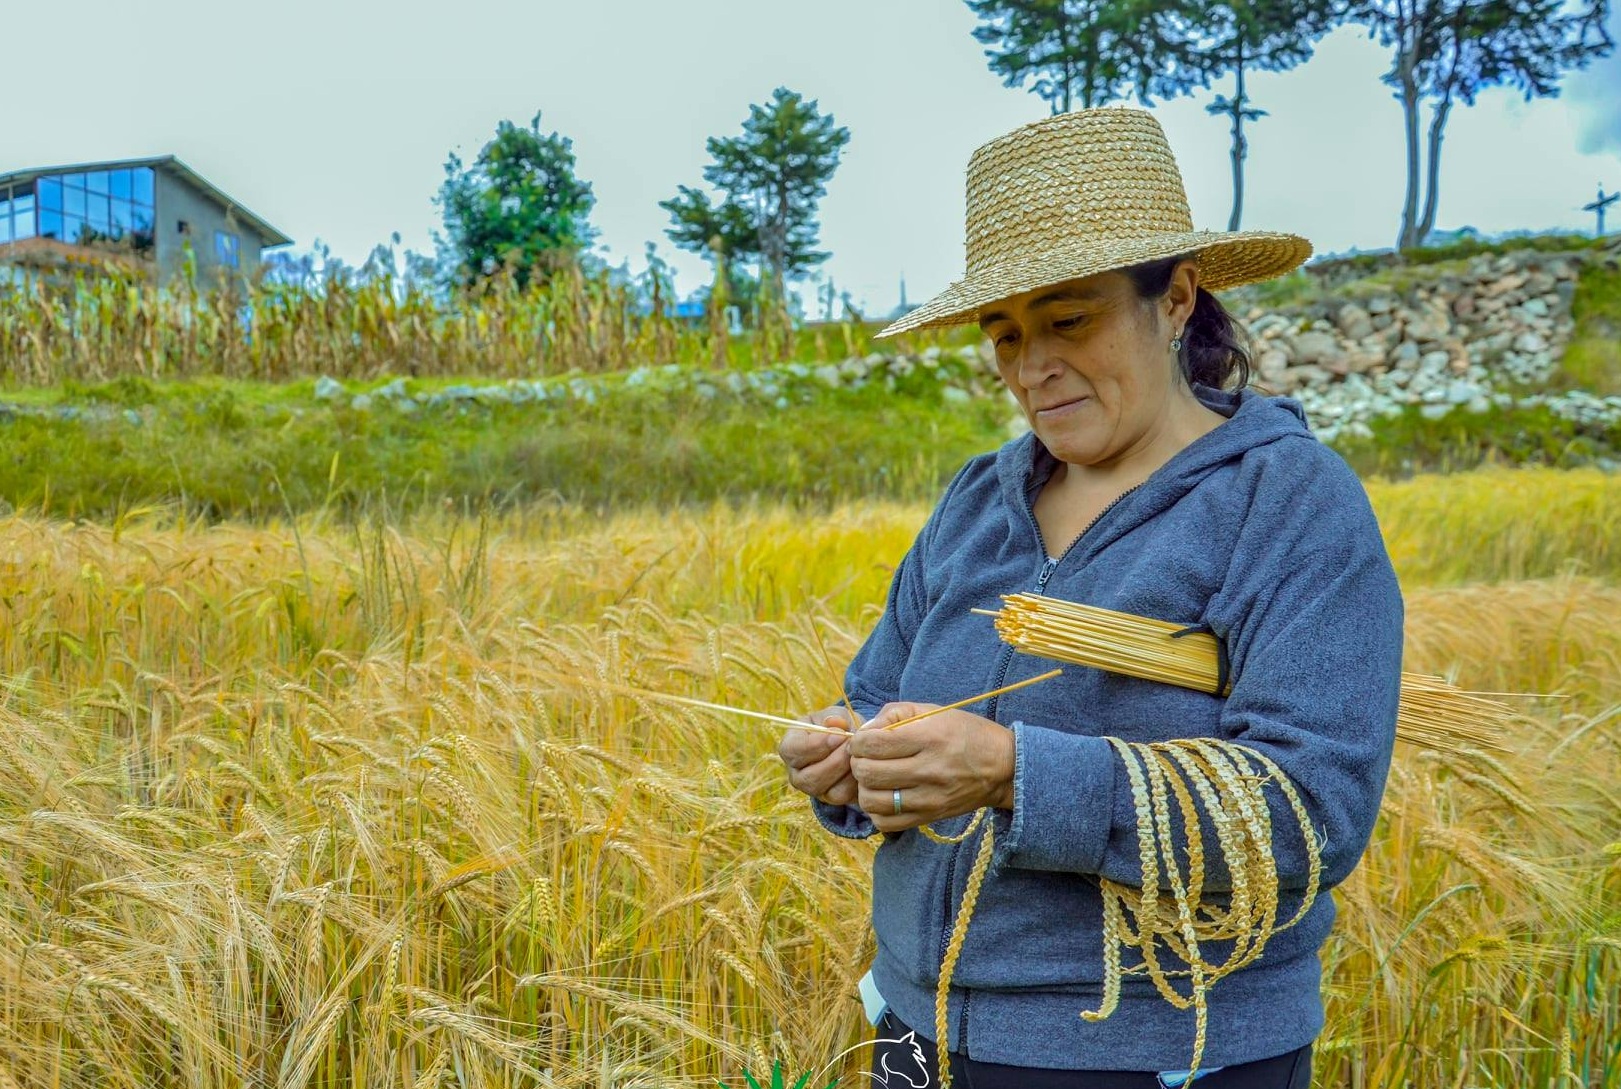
{"x":332,"y":119}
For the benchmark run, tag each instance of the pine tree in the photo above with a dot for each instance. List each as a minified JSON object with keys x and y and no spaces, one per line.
{"x":1085,"y":52}
{"x":770,"y":178}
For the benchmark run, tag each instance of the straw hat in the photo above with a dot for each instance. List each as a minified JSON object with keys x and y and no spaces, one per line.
{"x":1082,"y":193}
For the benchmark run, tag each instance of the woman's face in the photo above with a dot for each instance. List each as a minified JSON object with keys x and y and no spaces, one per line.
{"x":1091,"y":364}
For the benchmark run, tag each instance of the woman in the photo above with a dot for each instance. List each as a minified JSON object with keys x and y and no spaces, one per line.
{"x":1145,"y":485}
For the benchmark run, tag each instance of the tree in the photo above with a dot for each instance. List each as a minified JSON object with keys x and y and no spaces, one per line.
{"x":1450,"y":50}
{"x":1241,"y":36}
{"x":519,"y":204}
{"x":770,"y":178}
{"x":1092,"y":50}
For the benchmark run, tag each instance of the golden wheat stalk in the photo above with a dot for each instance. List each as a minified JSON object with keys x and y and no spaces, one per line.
{"x":1432,"y":712}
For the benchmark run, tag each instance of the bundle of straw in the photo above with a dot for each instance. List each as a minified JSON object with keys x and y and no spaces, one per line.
{"x":1432,"y":712}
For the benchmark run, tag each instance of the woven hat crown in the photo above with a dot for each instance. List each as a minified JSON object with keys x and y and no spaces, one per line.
{"x":1082,"y":193}
{"x":1106,"y":175}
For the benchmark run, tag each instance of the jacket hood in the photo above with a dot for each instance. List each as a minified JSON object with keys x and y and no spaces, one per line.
{"x":1254,"y":420}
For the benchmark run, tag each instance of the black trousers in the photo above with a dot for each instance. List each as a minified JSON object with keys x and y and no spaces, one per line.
{"x":895,"y":1066}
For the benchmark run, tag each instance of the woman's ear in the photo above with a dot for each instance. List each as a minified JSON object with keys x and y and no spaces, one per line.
{"x":1182,"y":294}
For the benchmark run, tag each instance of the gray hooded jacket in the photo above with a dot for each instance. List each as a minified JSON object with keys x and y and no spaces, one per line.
{"x":1256,"y":529}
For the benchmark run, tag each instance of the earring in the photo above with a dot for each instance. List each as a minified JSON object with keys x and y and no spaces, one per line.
{"x":1176,"y":343}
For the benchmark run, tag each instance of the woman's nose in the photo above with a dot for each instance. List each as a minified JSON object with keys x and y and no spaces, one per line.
{"x":1038,"y":361}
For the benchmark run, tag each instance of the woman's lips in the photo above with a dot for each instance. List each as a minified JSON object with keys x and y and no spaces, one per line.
{"x":1060,"y":410}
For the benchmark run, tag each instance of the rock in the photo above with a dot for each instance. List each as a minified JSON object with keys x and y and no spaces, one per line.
{"x":1380,"y":304}
{"x":1504,"y":285}
{"x":1354,"y":321}
{"x":1307,"y":375}
{"x":1405,"y":355}
{"x":327,"y":389}
{"x":1428,"y":326}
{"x":1464,"y":304}
{"x":1534,"y":308}
{"x":1385,"y":320}
{"x":1364,"y":362}
{"x":1434,"y":361}
{"x":1272,"y":363}
{"x":361,"y":402}
{"x":1461,"y":393}
{"x":1315,"y":347}
{"x":1530,"y":342}
{"x":1565,"y":292}
{"x":1268,"y":325}
{"x":1434,"y":411}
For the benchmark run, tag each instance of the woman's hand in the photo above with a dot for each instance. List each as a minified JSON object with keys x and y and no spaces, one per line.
{"x":819,"y":764}
{"x":945,"y":765}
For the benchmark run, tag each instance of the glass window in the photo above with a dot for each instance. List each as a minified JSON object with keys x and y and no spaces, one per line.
{"x":22,"y":207}
{"x":5,"y":229}
{"x":118,"y":184}
{"x":73,"y":202}
{"x":141,"y":230}
{"x":50,"y":224}
{"x":99,"y":215}
{"x":141,"y":184}
{"x":96,"y":181}
{"x":121,"y":217}
{"x":50,"y":193}
{"x":225,"y":248}
{"x":76,"y":180}
{"x":72,"y":228}
{"x":22,"y":223}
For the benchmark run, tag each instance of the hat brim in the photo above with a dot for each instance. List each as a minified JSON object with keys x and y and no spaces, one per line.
{"x":1226,"y":259}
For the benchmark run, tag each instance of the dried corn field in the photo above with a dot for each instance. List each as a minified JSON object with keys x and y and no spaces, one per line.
{"x":368,"y":322}
{"x":323,"y":806}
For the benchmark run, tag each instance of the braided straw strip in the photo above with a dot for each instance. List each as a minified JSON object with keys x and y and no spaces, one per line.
{"x":1222,"y":776}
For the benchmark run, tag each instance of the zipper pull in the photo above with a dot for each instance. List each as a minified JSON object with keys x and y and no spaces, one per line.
{"x":1047,"y":569}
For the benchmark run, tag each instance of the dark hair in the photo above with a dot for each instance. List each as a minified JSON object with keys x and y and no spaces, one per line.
{"x":1214,"y":346}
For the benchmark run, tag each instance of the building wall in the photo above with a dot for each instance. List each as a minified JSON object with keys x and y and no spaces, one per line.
{"x":178,"y":200}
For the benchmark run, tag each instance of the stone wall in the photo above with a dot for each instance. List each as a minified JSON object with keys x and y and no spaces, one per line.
{"x":1444,"y":338}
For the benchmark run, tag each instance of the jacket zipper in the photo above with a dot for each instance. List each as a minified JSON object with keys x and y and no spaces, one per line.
{"x":1049,"y":564}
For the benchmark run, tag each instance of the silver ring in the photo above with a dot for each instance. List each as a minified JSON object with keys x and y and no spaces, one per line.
{"x":897,"y":797}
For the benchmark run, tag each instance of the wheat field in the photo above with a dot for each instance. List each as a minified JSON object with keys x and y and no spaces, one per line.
{"x":315,"y":805}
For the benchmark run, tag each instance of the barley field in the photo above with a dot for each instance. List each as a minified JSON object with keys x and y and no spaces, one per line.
{"x":313,"y":804}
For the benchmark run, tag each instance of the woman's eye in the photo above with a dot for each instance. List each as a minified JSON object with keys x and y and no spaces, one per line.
{"x":1006,"y":338}
{"x":1066,"y":323}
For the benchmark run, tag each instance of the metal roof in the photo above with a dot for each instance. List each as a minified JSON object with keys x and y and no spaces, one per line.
{"x":169,"y":165}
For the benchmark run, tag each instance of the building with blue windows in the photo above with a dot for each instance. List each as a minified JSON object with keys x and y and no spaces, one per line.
{"x":137,"y":214}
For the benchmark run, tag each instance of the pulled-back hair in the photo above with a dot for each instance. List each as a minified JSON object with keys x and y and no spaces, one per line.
{"x":1214,"y":347}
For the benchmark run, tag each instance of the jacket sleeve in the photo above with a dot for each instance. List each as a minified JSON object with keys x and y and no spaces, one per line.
{"x":874,"y":676}
{"x":1316,"y":640}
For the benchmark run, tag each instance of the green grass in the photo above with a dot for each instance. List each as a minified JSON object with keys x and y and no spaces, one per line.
{"x":1592,"y":361}
{"x":230,"y":449}
{"x":1521,"y":435}
{"x":240,"y":450}
{"x":1464,"y":250}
